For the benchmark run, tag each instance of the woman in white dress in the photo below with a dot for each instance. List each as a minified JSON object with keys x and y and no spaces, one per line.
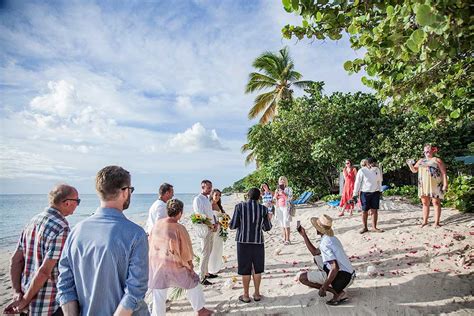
{"x":283,"y":196}
{"x":215,"y":259}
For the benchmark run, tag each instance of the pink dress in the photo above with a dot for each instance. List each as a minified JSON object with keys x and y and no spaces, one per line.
{"x":348,"y":190}
{"x":169,"y":256}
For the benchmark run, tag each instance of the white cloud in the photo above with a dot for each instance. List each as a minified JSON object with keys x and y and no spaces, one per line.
{"x":183,"y":103}
{"x":61,"y":100}
{"x":195,"y":139}
{"x":96,"y":84}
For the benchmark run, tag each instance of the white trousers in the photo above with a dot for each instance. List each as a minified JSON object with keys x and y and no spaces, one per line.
{"x":206,"y":248}
{"x":195,"y":297}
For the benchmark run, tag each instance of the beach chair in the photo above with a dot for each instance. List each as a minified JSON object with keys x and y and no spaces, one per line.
{"x":334,"y":203}
{"x":303,"y":199}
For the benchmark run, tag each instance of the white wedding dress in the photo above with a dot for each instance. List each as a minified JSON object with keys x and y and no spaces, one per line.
{"x":215,"y":259}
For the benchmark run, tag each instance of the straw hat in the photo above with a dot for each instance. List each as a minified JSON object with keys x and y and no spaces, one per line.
{"x":323,"y":225}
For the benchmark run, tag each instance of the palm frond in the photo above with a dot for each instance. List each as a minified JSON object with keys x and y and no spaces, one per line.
{"x":269,"y":113}
{"x":259,"y":81}
{"x":303,"y":84}
{"x":294,"y":75}
{"x":251,"y":157}
{"x":262,"y":101}
{"x":268,"y":62}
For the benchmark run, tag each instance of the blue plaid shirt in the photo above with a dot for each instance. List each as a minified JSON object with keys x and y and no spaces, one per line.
{"x":104,"y":264}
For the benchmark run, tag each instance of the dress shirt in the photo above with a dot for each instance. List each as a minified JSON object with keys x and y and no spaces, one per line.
{"x":105,"y":263}
{"x":157,"y":211}
{"x":250,"y":218}
{"x":368,"y":180}
{"x":331,"y":249}
{"x":202,"y":205}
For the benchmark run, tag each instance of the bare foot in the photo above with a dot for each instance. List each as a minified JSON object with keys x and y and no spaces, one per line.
{"x":364,"y":230}
{"x":377,"y":230}
{"x":204,"y":312}
{"x":341,"y":214}
{"x":436,"y":225}
{"x":423,"y":225}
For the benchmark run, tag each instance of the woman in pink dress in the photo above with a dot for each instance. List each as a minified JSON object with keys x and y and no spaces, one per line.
{"x":349,"y":173}
{"x":171,"y":262}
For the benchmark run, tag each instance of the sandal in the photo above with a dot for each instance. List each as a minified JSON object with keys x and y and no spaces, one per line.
{"x":257,"y":298}
{"x":242,"y":299}
{"x":335,"y":303}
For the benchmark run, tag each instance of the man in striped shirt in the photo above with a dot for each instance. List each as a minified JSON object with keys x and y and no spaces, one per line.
{"x":251,"y":220}
{"x":34,"y":265}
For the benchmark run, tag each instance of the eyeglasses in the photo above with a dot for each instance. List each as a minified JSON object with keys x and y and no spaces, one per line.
{"x":78,"y":201}
{"x":130,"y":188}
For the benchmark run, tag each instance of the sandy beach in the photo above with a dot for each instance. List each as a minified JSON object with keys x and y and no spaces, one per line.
{"x":418,"y":270}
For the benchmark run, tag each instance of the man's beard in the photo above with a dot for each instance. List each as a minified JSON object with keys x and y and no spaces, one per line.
{"x":126,"y":204}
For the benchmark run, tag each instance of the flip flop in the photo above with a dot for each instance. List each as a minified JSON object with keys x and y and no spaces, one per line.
{"x":242,"y":299}
{"x":335,"y":303}
{"x":257,"y":298}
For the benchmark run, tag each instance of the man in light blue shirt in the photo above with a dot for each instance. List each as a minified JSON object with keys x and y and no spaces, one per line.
{"x":103,"y":269}
{"x":335,"y":272}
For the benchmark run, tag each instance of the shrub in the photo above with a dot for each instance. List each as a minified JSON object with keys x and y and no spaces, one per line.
{"x":460,"y":194}
{"x":331,"y":197}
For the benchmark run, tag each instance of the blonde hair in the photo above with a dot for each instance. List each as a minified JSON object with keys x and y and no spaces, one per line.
{"x":284,"y":179}
{"x":363,"y":163}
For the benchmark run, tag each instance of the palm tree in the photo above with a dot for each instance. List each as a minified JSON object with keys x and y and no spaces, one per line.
{"x":278,"y":75}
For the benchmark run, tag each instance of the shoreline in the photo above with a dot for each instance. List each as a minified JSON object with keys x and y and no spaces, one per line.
{"x":418,"y":270}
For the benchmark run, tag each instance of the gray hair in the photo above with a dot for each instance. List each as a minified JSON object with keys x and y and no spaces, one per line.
{"x":59,"y":193}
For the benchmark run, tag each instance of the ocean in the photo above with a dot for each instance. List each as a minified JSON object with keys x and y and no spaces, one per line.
{"x":17,"y":209}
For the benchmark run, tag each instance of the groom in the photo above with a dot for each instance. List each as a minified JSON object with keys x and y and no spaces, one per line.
{"x":201,"y":205}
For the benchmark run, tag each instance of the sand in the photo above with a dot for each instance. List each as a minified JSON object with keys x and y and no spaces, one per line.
{"x":418,"y":269}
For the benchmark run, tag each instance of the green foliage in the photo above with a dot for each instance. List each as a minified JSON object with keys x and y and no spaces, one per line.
{"x":418,"y":55}
{"x":460,"y":194}
{"x":177,"y":293}
{"x":313,"y":135}
{"x":276,"y":75}
{"x":408,"y":191}
{"x":331,"y":197}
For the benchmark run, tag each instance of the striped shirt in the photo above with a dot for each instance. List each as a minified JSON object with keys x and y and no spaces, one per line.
{"x":267,"y":199}
{"x":43,"y":238}
{"x":250,"y":219}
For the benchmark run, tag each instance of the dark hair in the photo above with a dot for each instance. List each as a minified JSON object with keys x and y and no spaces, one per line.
{"x":206,"y":182}
{"x":164,"y":188}
{"x":174,"y":207}
{"x":371,"y":160}
{"x":59,"y":193}
{"x":349,"y":161}
{"x":254,"y":194}
{"x":110,"y":180}
{"x":261,"y":187}
{"x":219,"y":203}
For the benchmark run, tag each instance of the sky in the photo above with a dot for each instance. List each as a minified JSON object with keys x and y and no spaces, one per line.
{"x":156,"y":87}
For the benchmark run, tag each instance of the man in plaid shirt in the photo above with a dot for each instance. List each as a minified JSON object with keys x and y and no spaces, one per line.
{"x":34,"y":265}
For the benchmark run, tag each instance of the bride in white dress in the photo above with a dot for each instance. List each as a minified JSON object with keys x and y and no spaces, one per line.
{"x":215,"y":259}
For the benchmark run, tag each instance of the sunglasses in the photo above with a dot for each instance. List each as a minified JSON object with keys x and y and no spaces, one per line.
{"x":78,"y":201}
{"x":130,"y":188}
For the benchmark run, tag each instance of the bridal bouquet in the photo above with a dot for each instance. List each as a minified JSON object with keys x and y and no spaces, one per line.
{"x":202,"y":224}
{"x":224,"y":221}
{"x":197,"y":218}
